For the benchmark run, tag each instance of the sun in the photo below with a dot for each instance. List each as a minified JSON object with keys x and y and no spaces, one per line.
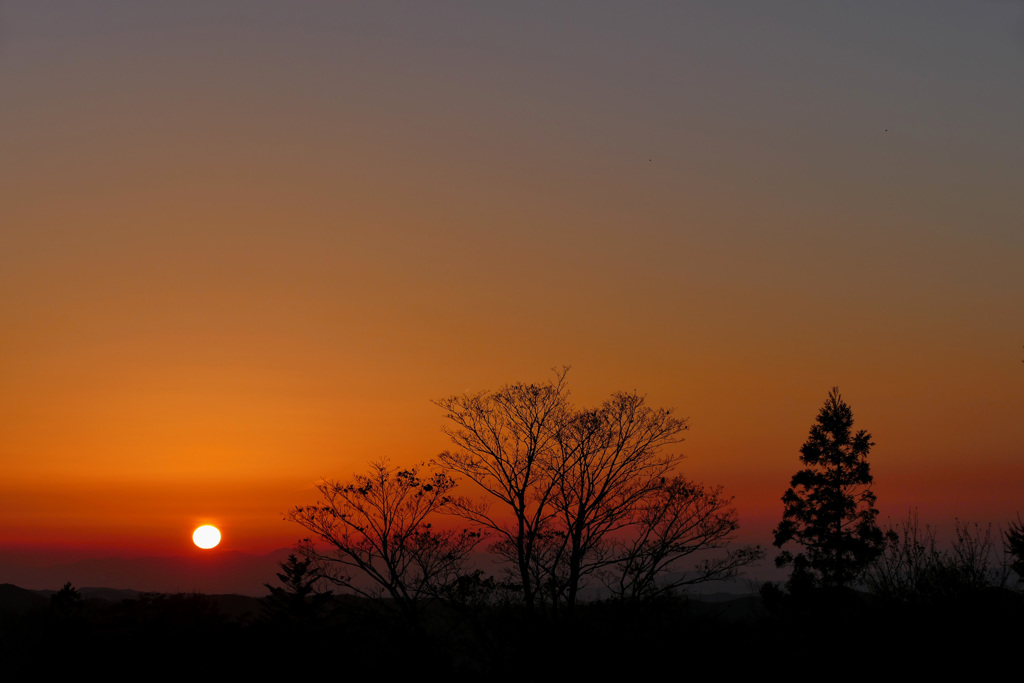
{"x":206,"y":536}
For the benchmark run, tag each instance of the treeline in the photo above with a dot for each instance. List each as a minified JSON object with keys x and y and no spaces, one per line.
{"x":566,"y":498}
{"x":299,"y":631}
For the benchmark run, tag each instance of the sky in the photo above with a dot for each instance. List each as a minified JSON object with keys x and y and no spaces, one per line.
{"x":244,"y":245}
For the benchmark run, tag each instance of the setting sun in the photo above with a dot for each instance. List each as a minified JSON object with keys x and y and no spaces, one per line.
{"x":206,"y":536}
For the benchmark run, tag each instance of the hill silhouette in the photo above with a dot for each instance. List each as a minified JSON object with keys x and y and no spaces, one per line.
{"x":210,"y":572}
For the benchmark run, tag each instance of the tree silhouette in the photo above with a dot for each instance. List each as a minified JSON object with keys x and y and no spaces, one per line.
{"x":682,"y":518}
{"x":66,"y":602}
{"x":572,"y":484}
{"x":829,"y":507}
{"x":1013,"y":543}
{"x":914,"y":569}
{"x":609,"y":466}
{"x":504,"y":443}
{"x":377,"y":525}
{"x":297,"y":602}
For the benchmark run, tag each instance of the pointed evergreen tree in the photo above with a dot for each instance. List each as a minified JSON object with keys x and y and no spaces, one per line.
{"x":829,"y":507}
{"x":66,"y":602}
{"x":298,"y":602}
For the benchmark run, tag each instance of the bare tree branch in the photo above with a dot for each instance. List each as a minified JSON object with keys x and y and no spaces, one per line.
{"x":376,"y":527}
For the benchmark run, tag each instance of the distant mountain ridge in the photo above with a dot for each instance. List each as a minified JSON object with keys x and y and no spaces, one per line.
{"x":226,"y":572}
{"x":211,"y":573}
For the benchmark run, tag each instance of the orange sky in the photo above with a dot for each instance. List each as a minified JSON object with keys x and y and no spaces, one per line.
{"x":242,"y":246}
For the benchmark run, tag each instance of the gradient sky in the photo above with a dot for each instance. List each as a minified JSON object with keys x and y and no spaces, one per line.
{"x":244,"y":244}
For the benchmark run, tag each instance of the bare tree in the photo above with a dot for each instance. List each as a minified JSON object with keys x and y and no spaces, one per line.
{"x":570,"y":483}
{"x":913,"y":568}
{"x":378,"y":537}
{"x":680,"y":519}
{"x":504,"y":443}
{"x":609,"y":464}
{"x":1013,"y":546}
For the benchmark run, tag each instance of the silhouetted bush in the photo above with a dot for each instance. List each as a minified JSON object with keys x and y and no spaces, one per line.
{"x":913,"y":568}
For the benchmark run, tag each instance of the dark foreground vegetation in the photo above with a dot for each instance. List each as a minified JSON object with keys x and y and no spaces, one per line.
{"x":355,"y":637}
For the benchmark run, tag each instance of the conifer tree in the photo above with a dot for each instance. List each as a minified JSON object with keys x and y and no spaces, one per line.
{"x":297,"y":602}
{"x":830,"y":507}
